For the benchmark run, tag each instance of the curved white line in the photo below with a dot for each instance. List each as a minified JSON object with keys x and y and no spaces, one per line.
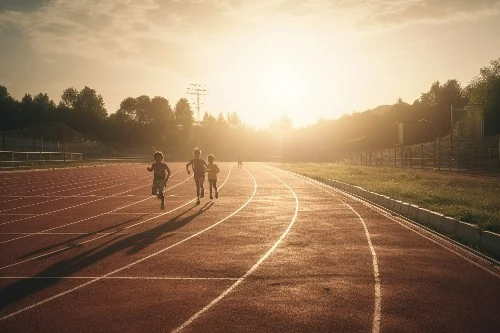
{"x":252,"y":269}
{"x":422,"y":232}
{"x":377,"y":311}
{"x":102,"y":235}
{"x":12,"y":314}
{"x":376,"y":275}
{"x":85,"y":219}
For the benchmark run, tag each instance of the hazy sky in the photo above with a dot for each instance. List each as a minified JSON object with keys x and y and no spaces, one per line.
{"x":259,"y":58}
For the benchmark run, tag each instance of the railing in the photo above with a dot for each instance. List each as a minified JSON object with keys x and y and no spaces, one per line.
{"x":20,"y":159}
{"x":442,"y":154}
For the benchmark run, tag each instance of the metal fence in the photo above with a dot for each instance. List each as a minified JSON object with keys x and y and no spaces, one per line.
{"x":443,"y":154}
{"x":26,"y":159}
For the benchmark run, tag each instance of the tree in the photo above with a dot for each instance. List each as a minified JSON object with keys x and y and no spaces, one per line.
{"x":233,"y":120}
{"x":184,"y":117}
{"x":435,"y":105}
{"x":68,"y":98}
{"x":7,"y":110}
{"x":484,"y":90}
{"x":84,"y":110}
{"x":90,"y":104}
{"x":209,"y":122}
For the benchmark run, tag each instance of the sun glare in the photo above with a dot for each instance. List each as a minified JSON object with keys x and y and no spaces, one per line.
{"x":271,"y":75}
{"x":281,"y":87}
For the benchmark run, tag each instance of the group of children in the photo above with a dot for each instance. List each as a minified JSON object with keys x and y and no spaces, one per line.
{"x":199,"y":167}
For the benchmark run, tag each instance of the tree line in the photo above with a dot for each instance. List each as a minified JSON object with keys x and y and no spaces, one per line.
{"x":146,"y":121}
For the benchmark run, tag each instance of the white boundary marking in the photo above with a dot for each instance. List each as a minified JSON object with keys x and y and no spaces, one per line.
{"x":419,"y":230}
{"x":102,"y":235}
{"x":69,"y":207}
{"x":252,"y":269}
{"x":61,"y":197}
{"x":87,"y":218}
{"x":377,"y":311}
{"x":113,"y":278}
{"x":15,"y":313}
{"x":54,"y":184}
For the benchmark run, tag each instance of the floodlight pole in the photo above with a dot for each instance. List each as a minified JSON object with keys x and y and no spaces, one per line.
{"x":198,"y":90}
{"x":451,"y":136}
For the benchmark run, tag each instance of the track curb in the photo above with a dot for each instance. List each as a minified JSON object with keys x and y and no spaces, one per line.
{"x":466,"y":233}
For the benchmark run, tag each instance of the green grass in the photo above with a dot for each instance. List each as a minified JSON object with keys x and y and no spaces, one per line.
{"x":469,"y":198}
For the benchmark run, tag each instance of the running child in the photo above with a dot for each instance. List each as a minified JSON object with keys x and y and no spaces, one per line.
{"x":161,"y":174}
{"x":212,"y":175}
{"x":199,"y":166}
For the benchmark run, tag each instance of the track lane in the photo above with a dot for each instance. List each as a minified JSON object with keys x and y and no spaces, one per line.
{"x":60,"y":267}
{"x":425,"y":284}
{"x":320,"y":278}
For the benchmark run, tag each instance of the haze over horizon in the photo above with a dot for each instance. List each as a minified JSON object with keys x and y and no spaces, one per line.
{"x":261,"y":59}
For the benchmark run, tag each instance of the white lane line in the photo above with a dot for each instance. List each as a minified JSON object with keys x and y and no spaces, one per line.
{"x":18,"y":214}
{"x":74,"y":206}
{"x":71,"y":196}
{"x":377,"y":311}
{"x":65,"y":197}
{"x":57,"y":233}
{"x":253,"y":268}
{"x":85,"y":203}
{"x":119,"y":231}
{"x":89,"y":218}
{"x":66,"y":187}
{"x":85,"y":219}
{"x":115,"y":278}
{"x":52,"y":183}
{"x":15,"y":313}
{"x":421,"y":231}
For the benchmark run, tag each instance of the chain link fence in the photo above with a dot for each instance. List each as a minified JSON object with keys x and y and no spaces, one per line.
{"x":455,"y":154}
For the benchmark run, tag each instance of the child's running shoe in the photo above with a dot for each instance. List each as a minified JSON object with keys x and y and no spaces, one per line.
{"x":198,"y":201}
{"x":162,"y":206}
{"x":202,"y":194}
{"x":216,"y":194}
{"x":211,"y":197}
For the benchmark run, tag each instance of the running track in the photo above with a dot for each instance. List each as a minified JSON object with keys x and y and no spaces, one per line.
{"x":89,"y":250}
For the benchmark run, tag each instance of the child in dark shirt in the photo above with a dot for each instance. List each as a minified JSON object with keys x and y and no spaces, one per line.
{"x":199,"y":167}
{"x":212,"y":175}
{"x":161,"y":174}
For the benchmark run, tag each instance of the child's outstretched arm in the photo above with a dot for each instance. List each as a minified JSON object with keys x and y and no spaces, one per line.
{"x":168,"y":174}
{"x":187,"y":166}
{"x":150,"y":168}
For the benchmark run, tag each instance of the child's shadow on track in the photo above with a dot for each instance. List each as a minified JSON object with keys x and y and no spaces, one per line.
{"x":176,"y":222}
{"x":75,"y":241}
{"x":69,"y":267}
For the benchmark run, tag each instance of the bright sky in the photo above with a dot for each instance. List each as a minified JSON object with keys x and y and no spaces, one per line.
{"x":259,"y":58}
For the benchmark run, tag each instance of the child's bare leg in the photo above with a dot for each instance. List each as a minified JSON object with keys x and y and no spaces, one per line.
{"x":202,"y":189}
{"x":162,"y":198}
{"x":197,"y":188}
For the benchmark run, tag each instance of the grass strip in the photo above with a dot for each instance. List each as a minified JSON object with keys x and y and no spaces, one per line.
{"x":471,"y":198}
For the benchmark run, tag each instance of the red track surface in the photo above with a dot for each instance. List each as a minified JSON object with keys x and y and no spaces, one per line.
{"x":89,"y":250}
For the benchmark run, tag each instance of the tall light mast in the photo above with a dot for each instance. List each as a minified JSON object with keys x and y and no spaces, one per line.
{"x":197,"y":90}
